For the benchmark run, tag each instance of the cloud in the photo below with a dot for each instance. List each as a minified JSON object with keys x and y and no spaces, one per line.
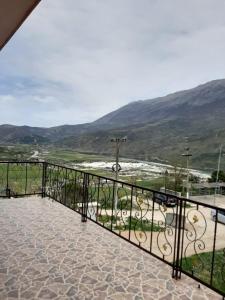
{"x":74,"y":61}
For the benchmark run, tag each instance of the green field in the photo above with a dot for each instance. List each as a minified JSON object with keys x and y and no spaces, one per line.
{"x":69,"y":157}
{"x":20,"y":178}
{"x":201,"y":267}
{"x":59,"y":155}
{"x":16,"y":152}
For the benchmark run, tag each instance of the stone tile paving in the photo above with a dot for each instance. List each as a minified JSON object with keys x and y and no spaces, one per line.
{"x":47,"y":253}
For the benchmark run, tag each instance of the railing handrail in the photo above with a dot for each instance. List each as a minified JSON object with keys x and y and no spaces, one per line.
{"x":137,"y":186}
{"x":184,"y":199}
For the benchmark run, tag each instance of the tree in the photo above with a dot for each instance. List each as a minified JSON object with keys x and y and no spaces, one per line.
{"x":221,"y":176}
{"x":194,"y":178}
{"x":178,"y":176}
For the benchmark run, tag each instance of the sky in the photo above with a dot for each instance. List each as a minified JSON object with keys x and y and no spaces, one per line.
{"x":72,"y":62}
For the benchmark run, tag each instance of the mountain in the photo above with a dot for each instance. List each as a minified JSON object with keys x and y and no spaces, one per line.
{"x":155,"y":128}
{"x":21,"y":134}
{"x":181,"y":105}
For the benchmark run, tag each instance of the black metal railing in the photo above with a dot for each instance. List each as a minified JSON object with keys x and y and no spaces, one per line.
{"x":187,"y":235}
{"x":20,"y":178}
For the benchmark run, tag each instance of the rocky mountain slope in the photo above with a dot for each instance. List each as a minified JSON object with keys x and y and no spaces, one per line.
{"x":155,"y":128}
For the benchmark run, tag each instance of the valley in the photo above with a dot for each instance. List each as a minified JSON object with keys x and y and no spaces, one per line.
{"x":155,"y":130}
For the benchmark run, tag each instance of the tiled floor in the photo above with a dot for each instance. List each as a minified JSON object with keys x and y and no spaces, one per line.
{"x":47,"y":253}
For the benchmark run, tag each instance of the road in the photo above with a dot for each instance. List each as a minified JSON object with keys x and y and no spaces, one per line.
{"x":218,"y":200}
{"x":35,"y":154}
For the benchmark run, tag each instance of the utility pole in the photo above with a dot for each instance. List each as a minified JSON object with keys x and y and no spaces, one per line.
{"x":218,"y":170}
{"x":187,"y":154}
{"x":165,"y":177}
{"x":118,"y":142}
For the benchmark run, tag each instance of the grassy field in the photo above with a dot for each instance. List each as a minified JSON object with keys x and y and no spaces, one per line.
{"x":201,"y":267}
{"x":59,"y":155}
{"x":159,"y":182}
{"x":16,"y":152}
{"x":20,"y":178}
{"x":69,"y":157}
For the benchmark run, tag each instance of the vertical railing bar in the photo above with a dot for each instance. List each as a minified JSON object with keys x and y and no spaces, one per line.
{"x":42,"y":179}
{"x":178,"y":242}
{"x":44,"y":170}
{"x":78,"y":188}
{"x":153,"y":211}
{"x":113,"y":198}
{"x":175,"y":240}
{"x":84,"y":200}
{"x":70,"y":185}
{"x":40,"y":174}
{"x":26,"y":179}
{"x":87,"y":194}
{"x":214,"y":246}
{"x":7,"y":181}
{"x":45,"y":177}
{"x":50,"y":181}
{"x":97,"y":208}
{"x":65,"y":189}
{"x":121,"y":206}
{"x":74,"y":190}
{"x":80,"y":196}
{"x":141,"y":217}
{"x":182,"y":239}
{"x":131,"y":208}
{"x":57,"y":184}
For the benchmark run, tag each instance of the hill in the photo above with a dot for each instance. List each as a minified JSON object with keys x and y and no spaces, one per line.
{"x":155,"y":128}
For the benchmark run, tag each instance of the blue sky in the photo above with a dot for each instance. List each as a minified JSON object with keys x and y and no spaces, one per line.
{"x":74,"y":61}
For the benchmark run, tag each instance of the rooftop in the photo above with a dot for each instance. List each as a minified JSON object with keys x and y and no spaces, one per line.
{"x":46,"y":252}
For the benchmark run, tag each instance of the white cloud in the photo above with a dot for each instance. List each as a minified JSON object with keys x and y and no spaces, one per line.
{"x":73,"y":61}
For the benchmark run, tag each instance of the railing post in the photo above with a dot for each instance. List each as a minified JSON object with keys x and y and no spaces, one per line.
{"x":84,"y":199}
{"x":43,"y":193}
{"x":25,"y":190}
{"x":65,"y":190}
{"x":7,"y":182}
{"x":8,"y":193}
{"x":178,"y":242}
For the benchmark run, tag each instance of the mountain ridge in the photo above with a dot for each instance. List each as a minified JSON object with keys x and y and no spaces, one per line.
{"x":154,"y":127}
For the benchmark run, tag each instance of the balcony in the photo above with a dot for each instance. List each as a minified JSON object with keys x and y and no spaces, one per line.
{"x":138,"y":249}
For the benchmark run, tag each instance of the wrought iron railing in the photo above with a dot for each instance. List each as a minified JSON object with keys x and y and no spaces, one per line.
{"x":21,"y":178}
{"x":187,"y":235}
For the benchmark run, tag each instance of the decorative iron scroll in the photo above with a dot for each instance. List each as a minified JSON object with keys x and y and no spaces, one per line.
{"x":166,"y":236}
{"x":195,"y":239}
{"x":142,"y":216}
